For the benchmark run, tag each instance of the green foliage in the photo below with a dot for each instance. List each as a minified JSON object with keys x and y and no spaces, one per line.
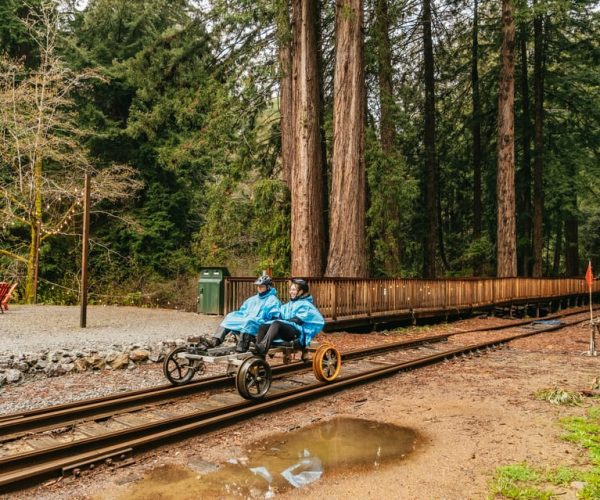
{"x":392,"y":193}
{"x":188,"y":97}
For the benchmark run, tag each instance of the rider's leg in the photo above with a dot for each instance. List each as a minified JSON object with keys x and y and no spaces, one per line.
{"x":218,"y":337}
{"x":243,"y":342}
{"x":277,"y":330}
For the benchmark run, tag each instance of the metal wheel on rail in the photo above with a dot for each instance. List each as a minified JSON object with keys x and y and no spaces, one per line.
{"x":327,"y":363}
{"x":253,"y":379}
{"x":180,"y":370}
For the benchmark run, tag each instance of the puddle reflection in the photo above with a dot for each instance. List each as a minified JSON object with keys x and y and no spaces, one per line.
{"x":286,"y":461}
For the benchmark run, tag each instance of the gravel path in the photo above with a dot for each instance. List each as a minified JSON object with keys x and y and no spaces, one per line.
{"x":31,"y":328}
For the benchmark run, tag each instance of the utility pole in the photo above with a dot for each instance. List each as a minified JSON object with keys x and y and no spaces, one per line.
{"x":85,"y":252}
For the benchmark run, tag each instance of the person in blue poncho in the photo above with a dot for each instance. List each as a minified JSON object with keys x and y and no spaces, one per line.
{"x":255,"y":311}
{"x":300,"y":320}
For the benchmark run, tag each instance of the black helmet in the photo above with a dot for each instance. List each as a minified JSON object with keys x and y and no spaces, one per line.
{"x":302,"y":284}
{"x":264,"y":280}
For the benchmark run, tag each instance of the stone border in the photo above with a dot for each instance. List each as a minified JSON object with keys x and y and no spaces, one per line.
{"x":15,"y":368}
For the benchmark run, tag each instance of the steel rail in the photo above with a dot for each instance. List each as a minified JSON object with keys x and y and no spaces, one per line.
{"x":42,"y":463}
{"x":13,"y":425}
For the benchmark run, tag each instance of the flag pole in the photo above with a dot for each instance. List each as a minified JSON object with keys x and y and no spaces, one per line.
{"x":589,"y":277}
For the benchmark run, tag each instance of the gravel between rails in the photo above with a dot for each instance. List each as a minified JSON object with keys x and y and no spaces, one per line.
{"x":32,"y":328}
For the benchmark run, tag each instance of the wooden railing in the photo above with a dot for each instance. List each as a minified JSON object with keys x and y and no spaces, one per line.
{"x":339,"y":298}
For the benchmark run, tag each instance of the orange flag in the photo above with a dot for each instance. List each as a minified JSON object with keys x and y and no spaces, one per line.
{"x":589,"y":276}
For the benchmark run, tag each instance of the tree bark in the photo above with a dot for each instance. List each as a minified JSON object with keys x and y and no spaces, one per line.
{"x":538,"y":160}
{"x":391,"y":262}
{"x":525,"y":177}
{"x":384,"y":73}
{"x":557,"y":248}
{"x":572,"y":245}
{"x":572,"y":225}
{"x":347,"y":244}
{"x":505,"y":179}
{"x":306,"y":183}
{"x":285,"y":90}
{"x":476,"y":126}
{"x":430,"y":188}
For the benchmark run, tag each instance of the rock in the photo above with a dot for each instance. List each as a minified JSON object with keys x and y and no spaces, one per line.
{"x":23,"y":366}
{"x":66,"y":360}
{"x":139,"y":355}
{"x":96,"y":362}
{"x":67,"y":367}
{"x":156,"y":357}
{"x":79,"y":354}
{"x":41,"y":364}
{"x":52,"y":370}
{"x":110,"y":357}
{"x":131,"y":366}
{"x":13,"y":376}
{"x":2,"y":379}
{"x":81,"y":365}
{"x":120,"y":362}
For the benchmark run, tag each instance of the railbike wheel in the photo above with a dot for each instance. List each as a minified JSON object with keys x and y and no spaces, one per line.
{"x":180,"y":370}
{"x":253,"y":379}
{"x":327,"y":363}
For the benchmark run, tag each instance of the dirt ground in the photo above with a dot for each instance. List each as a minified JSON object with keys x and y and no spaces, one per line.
{"x":472,"y":415}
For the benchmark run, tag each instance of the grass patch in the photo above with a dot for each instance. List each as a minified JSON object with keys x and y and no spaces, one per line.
{"x":522,"y":481}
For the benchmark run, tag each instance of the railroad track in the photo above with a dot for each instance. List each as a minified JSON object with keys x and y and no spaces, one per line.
{"x":73,"y":437}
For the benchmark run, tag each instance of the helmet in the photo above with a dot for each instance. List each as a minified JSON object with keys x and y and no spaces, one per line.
{"x":264,"y":280}
{"x":302,"y":284}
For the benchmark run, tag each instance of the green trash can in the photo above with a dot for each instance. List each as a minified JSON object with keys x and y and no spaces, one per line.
{"x":211,"y":290}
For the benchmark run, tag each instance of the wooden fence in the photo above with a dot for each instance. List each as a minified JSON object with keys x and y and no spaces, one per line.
{"x":350,"y":300}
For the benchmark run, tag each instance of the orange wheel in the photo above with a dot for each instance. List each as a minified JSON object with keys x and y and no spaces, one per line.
{"x":327,"y":363}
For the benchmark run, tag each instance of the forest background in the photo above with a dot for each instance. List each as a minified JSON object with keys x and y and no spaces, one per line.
{"x":178,"y":110}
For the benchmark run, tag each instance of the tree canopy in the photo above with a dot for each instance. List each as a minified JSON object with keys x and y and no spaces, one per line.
{"x":179,"y":110}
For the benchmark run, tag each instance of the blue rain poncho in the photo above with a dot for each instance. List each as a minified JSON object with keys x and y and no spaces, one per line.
{"x":311,"y":320}
{"x":255,"y":311}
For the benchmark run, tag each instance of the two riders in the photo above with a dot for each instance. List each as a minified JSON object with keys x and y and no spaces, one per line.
{"x":263,"y":319}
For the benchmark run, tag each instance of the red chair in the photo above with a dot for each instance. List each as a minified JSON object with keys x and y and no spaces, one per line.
{"x":6,"y":291}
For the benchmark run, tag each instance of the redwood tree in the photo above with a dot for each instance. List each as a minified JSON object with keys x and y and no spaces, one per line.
{"x":538,"y":139}
{"x":347,"y":245}
{"x":431,"y":182}
{"x":285,"y":89}
{"x":306,"y":180}
{"x":505,"y":179}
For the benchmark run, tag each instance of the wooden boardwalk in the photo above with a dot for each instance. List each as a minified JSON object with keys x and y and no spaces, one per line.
{"x":346,"y":302}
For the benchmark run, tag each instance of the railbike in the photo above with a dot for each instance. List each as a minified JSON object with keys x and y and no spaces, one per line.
{"x":252,"y":373}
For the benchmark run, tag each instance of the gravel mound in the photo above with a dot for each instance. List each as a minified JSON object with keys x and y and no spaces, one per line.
{"x":32,"y":328}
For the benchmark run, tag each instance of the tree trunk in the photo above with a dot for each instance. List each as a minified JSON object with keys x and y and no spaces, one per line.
{"x":384,"y":70}
{"x":285,"y":89}
{"x":306,"y":183}
{"x":525,"y":177}
{"x":572,"y":245}
{"x":347,"y":244}
{"x":557,"y":248}
{"x":538,"y":160}
{"x":33,"y":260}
{"x":505,"y":179}
{"x":430,"y":188}
{"x":572,"y":225}
{"x":476,"y":127}
{"x":391,"y":262}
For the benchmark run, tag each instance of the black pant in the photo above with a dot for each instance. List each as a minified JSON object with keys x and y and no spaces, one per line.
{"x":222,"y":332}
{"x":276,"y":330}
